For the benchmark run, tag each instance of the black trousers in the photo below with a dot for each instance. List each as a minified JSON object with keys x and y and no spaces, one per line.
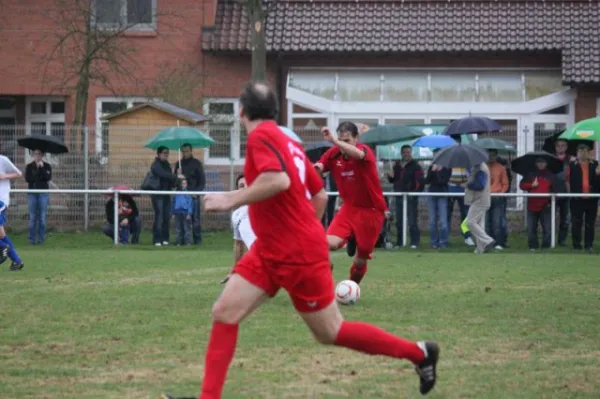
{"x":583,"y":214}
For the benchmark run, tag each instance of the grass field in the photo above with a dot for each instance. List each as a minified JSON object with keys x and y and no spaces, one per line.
{"x":86,"y":320}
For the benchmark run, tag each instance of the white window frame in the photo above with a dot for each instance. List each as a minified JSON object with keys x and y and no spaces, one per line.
{"x":151,"y":27}
{"x":99,"y":115}
{"x":235,"y":156}
{"x":48,"y":117}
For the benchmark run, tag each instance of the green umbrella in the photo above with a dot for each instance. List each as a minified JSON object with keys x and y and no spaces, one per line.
{"x":174,"y":137}
{"x":501,"y":146}
{"x":388,"y":134}
{"x":588,"y":129}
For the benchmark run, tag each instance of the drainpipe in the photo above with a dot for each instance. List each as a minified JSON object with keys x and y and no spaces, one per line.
{"x":279,"y":79}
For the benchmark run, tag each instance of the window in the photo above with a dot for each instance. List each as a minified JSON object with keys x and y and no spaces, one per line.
{"x":224,"y":127}
{"x":46,"y":116}
{"x":119,"y":14}
{"x":106,"y":106}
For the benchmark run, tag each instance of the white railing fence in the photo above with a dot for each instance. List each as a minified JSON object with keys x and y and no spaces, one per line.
{"x":115,"y":196}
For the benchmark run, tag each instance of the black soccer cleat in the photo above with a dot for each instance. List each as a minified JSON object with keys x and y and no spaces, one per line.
{"x":351,"y":246}
{"x":16,"y":266}
{"x":3,"y":254}
{"x":427,"y":370}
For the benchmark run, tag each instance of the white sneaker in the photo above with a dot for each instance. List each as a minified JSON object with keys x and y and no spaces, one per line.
{"x":165,"y":243}
{"x":498,"y":247}
{"x":158,"y":244}
{"x":413,"y":247}
{"x":469,"y":241}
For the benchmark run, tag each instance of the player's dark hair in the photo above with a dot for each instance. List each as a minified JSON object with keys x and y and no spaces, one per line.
{"x":405,"y":146}
{"x":237,"y":181}
{"x":349,"y":127}
{"x":259,"y":101}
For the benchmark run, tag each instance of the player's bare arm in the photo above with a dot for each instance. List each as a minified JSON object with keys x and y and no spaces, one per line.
{"x":348,"y":149}
{"x":266,"y":185}
{"x":10,"y":176}
{"x":319,"y":202}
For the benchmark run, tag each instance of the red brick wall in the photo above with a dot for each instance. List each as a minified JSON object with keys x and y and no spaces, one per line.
{"x":29,"y":33}
{"x":585,"y":105}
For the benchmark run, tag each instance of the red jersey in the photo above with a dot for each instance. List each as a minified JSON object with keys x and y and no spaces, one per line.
{"x":286,"y":226}
{"x":357,"y":179}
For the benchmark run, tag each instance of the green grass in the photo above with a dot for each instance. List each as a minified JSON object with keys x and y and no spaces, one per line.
{"x":86,"y":320}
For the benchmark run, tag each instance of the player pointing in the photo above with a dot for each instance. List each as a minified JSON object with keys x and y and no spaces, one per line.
{"x":354,"y":168}
{"x":286,"y":202}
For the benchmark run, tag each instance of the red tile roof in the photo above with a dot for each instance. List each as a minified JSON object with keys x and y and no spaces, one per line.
{"x":296,"y":26}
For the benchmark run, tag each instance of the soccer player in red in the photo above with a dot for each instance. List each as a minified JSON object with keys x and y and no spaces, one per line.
{"x":286,"y":202}
{"x":358,"y":224}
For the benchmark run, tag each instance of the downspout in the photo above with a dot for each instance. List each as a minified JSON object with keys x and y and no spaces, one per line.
{"x":280,"y":87}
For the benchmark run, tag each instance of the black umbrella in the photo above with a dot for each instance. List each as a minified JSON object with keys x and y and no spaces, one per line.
{"x":315,"y":151}
{"x":472,"y":125}
{"x":460,"y":156}
{"x":571,"y":150}
{"x":525,"y":164}
{"x":46,"y":144}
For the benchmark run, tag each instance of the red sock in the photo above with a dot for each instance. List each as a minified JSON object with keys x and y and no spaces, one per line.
{"x":373,"y":340}
{"x":357,"y":274}
{"x":219,"y":354}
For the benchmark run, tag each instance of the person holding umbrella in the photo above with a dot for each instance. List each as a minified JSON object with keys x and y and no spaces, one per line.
{"x":37,"y":174}
{"x":193,"y":170}
{"x":540,"y":181}
{"x":561,"y":147}
{"x":583,"y":177}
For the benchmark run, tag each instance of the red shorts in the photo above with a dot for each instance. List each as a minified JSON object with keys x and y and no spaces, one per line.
{"x":311,"y":287}
{"x":366,"y":224}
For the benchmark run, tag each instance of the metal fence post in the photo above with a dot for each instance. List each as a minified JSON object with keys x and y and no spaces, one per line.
{"x":553,"y":221}
{"x":86,"y":178}
{"x":404,"y":218}
{"x":116,"y":217}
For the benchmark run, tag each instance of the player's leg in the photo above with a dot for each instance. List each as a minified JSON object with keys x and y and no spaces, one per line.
{"x":313,"y":297}
{"x":367,"y":227}
{"x":244,"y":292}
{"x":17,"y":263}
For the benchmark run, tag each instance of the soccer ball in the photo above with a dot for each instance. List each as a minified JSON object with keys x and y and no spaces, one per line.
{"x":347,"y":292}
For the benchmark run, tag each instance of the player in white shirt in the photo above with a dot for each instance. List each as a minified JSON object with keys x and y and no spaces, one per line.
{"x":8,"y":172}
{"x":243,"y":235}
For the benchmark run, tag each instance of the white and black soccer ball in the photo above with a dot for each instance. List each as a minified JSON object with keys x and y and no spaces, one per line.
{"x":347,"y":292}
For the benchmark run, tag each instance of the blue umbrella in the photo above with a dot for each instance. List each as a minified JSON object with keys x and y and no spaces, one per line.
{"x":472,"y":125}
{"x":434,"y":141}
{"x":290,"y":134}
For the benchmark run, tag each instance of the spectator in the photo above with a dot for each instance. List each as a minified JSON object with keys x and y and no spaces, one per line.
{"x":162,"y":203}
{"x":407,"y":176}
{"x":506,"y":163}
{"x":437,"y":178}
{"x":455,"y":185}
{"x":129,"y":220}
{"x":193,"y":170}
{"x":583,"y":177}
{"x":562,"y":204}
{"x":496,"y":217}
{"x":37,"y":175}
{"x":183,"y":211}
{"x":477,"y":196}
{"x":538,"y":208}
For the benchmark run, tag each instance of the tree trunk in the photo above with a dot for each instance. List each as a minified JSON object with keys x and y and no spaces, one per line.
{"x":259,"y":47}
{"x":81,"y":101}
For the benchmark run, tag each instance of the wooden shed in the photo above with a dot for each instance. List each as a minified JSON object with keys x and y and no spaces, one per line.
{"x":125,"y":156}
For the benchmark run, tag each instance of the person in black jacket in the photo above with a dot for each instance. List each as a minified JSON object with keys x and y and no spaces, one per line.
{"x":437,"y":178}
{"x":162,"y":203}
{"x":407,"y":176}
{"x":129,"y":221}
{"x":193,"y":170}
{"x":37,"y":174}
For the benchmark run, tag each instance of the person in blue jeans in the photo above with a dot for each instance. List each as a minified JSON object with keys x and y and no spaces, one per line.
{"x":37,"y":175}
{"x":129,"y":220}
{"x":437,"y":179}
{"x":161,"y":204}
{"x":183,"y":211}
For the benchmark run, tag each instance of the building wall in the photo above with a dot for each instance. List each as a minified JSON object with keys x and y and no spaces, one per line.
{"x":29,"y":34}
